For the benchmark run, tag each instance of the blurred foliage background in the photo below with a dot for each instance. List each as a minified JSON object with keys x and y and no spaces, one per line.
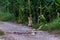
{"x":41,"y":11}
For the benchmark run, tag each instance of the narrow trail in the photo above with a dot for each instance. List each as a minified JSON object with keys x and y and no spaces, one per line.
{"x":40,"y":35}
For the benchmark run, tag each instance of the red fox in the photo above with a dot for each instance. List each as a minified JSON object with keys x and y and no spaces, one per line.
{"x":29,"y":21}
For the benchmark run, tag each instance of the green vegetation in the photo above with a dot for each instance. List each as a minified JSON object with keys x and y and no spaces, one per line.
{"x":6,"y":16}
{"x":58,"y":1}
{"x":36,"y":26}
{"x":43,"y":12}
{"x":58,"y":33}
{"x":54,"y":25}
{"x":2,"y":33}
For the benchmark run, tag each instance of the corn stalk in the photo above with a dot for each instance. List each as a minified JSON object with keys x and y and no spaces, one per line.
{"x":21,"y":12}
{"x":29,"y":7}
{"x":41,"y":17}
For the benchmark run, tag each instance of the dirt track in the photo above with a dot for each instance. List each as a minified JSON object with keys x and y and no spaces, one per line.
{"x":11,"y":27}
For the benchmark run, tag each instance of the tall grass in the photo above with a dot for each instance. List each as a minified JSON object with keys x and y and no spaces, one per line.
{"x":5,"y":16}
{"x":54,"y":25}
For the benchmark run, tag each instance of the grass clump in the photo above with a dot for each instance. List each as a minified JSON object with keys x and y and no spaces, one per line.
{"x":5,"y":16}
{"x":36,"y":26}
{"x":58,"y":32}
{"x":54,"y":25}
{"x":2,"y":33}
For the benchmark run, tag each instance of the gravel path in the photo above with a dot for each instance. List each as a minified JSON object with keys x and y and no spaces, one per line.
{"x":11,"y":27}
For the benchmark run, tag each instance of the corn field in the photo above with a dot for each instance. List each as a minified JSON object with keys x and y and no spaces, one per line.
{"x":40,"y":10}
